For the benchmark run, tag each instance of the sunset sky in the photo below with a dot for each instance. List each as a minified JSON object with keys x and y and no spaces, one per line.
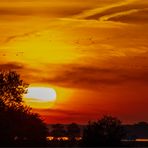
{"x":93,"y":53}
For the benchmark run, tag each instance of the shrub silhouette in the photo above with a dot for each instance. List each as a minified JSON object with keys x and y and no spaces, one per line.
{"x":58,"y":131}
{"x":73,"y":131}
{"x":18,"y":124}
{"x":107,"y":131}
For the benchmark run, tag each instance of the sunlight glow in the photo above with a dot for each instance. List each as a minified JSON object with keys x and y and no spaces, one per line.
{"x":41,"y":94}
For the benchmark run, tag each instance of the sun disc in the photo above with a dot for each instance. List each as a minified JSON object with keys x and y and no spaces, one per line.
{"x":41,"y":94}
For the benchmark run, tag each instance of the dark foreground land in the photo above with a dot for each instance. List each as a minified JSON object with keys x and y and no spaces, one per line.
{"x":75,"y":144}
{"x":78,"y":144}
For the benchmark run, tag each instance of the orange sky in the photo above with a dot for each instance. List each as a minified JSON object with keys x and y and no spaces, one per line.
{"x":94,"y":53}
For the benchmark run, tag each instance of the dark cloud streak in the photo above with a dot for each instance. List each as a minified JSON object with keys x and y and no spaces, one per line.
{"x":118,"y":70}
{"x":11,"y":66}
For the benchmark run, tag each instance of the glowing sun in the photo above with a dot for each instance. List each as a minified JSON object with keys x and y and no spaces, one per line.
{"x":41,"y":94}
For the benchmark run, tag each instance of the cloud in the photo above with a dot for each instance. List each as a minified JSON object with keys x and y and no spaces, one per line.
{"x":28,"y":73}
{"x":11,"y":66}
{"x":43,"y":8}
{"x":128,"y":11}
{"x":67,"y":116}
{"x":99,"y":10}
{"x":124,"y":13}
{"x":84,"y":76}
{"x":57,"y":111}
{"x":13,"y":37}
{"x":136,"y":16}
{"x":94,"y":77}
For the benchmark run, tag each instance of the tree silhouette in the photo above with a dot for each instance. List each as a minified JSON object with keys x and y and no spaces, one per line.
{"x":107,"y":131}
{"x":142,"y":123}
{"x":12,"y":88}
{"x":58,"y":130}
{"x":73,"y":131}
{"x":18,"y":124}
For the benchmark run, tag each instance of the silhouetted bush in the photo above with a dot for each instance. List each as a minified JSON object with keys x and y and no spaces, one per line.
{"x":107,"y":131}
{"x":73,"y":131}
{"x":58,"y":131}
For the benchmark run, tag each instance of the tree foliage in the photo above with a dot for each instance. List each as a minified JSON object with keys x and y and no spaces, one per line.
{"x":107,"y":131}
{"x":18,"y":124}
{"x":58,"y":130}
{"x":12,"y":88}
{"x":73,"y":131}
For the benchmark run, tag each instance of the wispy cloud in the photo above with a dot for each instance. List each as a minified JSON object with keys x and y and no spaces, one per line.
{"x":110,"y":16}
{"x":96,"y":11}
{"x":137,"y":16}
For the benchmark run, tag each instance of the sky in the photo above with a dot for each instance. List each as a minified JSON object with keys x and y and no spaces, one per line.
{"x":93,"y":53}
